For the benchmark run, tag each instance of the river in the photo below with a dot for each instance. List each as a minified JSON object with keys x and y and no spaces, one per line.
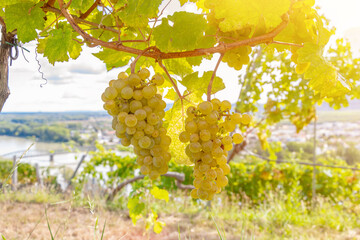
{"x":9,"y":146}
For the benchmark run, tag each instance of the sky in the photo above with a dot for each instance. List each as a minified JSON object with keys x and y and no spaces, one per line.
{"x":78,"y":84}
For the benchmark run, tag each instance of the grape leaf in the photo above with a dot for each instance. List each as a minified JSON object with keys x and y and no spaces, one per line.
{"x":174,"y":122}
{"x":25,"y":18}
{"x":182,"y":2}
{"x":135,"y":209}
{"x":198,"y":85}
{"x":178,"y":66}
{"x":161,"y":194}
{"x":162,"y":36}
{"x":98,"y":17}
{"x":113,"y":58}
{"x":57,"y":44}
{"x":138,"y":12}
{"x":171,"y":94}
{"x":74,"y":49}
{"x":236,"y":14}
{"x":187,"y":32}
{"x":158,"y":226}
{"x":323,"y":77}
{"x":5,"y":3}
{"x":82,"y":5}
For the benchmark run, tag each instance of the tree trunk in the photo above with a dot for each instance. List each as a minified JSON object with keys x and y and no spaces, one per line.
{"x":4,"y":65}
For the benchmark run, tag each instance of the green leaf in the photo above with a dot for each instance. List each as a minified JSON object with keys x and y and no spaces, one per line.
{"x":162,"y":37}
{"x":171,"y":94}
{"x":138,"y":12}
{"x":199,"y":85}
{"x":161,"y":194}
{"x":175,"y":118}
{"x":120,"y":3}
{"x":158,"y":226}
{"x":59,"y":45}
{"x":188,"y":29}
{"x":187,"y":32}
{"x":178,"y":66}
{"x":74,"y":50}
{"x":113,"y":58}
{"x":5,"y":3}
{"x":25,"y":18}
{"x":98,"y":17}
{"x":182,"y":2}
{"x":323,"y":77}
{"x":135,"y":209}
{"x":236,"y":14}
{"x":82,"y":5}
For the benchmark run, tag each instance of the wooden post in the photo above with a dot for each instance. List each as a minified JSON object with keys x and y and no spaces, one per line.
{"x":313,"y":198}
{"x":38,"y":175}
{"x":14,"y":174}
{"x":64,"y":172}
{"x":76,"y":170}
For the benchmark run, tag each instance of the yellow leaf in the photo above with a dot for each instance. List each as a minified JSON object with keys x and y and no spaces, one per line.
{"x":160,"y":193}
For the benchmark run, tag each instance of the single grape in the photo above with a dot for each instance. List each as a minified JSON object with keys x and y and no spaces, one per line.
{"x":194,"y":194}
{"x":191,"y":127}
{"x":121,"y":117}
{"x":194,"y":137}
{"x":237,"y":138}
{"x":130,"y":120}
{"x":205,"y":135}
{"x":110,"y":93}
{"x":140,"y":114}
{"x":195,"y":147}
{"x":245,"y":119}
{"x":148,"y":92}
{"x":127,"y":92}
{"x":122,"y":75}
{"x":225,"y":105}
{"x":144,"y":142}
{"x":158,"y":79}
{"x":134,"y":79}
{"x":205,"y":107}
{"x":144,"y":73}
{"x":190,"y":111}
{"x":135,"y":105}
{"x":226,"y":140}
{"x":137,"y":95}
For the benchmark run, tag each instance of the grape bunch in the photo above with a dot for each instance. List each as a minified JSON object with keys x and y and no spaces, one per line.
{"x":207,"y":129}
{"x":137,"y":112}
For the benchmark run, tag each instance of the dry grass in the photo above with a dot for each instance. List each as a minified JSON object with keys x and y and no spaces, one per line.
{"x":28,"y":221}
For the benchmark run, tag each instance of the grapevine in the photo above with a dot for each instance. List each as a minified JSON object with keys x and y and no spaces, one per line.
{"x":138,"y":111}
{"x":207,"y":129}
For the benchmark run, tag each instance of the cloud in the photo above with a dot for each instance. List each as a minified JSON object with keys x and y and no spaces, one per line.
{"x":72,"y":95}
{"x":87,"y":69}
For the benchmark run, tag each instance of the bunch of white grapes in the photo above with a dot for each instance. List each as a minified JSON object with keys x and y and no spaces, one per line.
{"x":207,"y":129}
{"x":138,"y":113}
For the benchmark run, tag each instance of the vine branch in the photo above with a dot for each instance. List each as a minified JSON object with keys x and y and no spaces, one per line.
{"x":2,"y":22}
{"x":220,"y":48}
{"x":132,"y":65}
{"x":180,"y":177}
{"x":213,"y":77}
{"x":87,"y":13}
{"x":171,"y":80}
{"x":80,"y":20}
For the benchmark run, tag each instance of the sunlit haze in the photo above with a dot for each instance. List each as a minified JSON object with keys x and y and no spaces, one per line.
{"x":78,"y":84}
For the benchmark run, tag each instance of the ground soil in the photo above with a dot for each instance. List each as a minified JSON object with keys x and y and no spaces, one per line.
{"x":28,"y":221}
